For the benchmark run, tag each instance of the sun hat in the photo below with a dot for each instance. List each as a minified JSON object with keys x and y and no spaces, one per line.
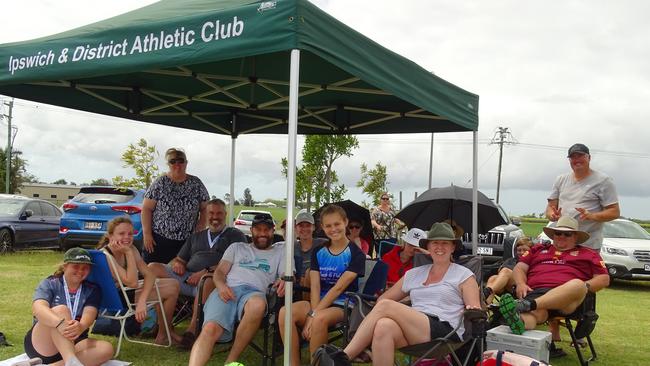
{"x":413,"y":236}
{"x":77,"y":255}
{"x":304,"y":216}
{"x":578,"y":148}
{"x":440,"y":231}
{"x":567,"y":224}
{"x":263,"y":219}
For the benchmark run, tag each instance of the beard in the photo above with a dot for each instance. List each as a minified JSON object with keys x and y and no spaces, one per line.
{"x":216,"y":225}
{"x":260,"y":242}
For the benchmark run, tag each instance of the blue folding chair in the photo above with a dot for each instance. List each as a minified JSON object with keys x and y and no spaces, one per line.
{"x":112,"y":306}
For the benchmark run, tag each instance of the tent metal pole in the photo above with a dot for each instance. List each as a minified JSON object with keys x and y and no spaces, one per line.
{"x":475,"y":193}
{"x":231,"y":204}
{"x":294,"y":74}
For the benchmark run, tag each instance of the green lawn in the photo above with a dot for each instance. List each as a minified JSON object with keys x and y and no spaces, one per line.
{"x":619,"y":336}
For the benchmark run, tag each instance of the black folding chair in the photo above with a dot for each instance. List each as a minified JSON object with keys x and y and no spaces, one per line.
{"x":585,"y":317}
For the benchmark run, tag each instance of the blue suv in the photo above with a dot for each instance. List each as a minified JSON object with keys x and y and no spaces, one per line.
{"x":86,"y":216}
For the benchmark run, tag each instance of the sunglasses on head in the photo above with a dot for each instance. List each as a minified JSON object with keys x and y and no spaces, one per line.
{"x":176,"y":161}
{"x":355,"y":226}
{"x":563,"y":233}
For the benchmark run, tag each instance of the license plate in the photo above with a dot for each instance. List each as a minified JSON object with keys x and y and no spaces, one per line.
{"x":91,"y":225}
{"x":484,"y":251}
{"x":646,"y":267}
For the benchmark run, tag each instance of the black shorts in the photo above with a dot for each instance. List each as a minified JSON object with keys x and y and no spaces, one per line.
{"x":164,"y":251}
{"x":32,"y":353}
{"x":439,"y":329}
{"x":538,"y":292}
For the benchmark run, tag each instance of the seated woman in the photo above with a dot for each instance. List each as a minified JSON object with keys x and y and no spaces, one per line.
{"x":335,"y":268}
{"x":439,"y":292}
{"x":354,"y":229}
{"x":117,"y":244}
{"x":503,"y":279}
{"x":65,"y":306}
{"x":400,"y":258}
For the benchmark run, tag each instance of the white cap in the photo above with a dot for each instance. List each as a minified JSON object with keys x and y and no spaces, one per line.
{"x":413,"y":236}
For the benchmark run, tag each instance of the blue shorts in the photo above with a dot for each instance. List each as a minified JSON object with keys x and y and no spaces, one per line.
{"x":186,"y":289}
{"x":225,"y":314}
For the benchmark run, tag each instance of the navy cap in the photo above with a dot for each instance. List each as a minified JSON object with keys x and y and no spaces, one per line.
{"x":578,"y":148}
{"x":263,"y":219}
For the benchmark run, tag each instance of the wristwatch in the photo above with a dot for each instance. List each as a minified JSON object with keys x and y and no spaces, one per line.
{"x":311,"y":313}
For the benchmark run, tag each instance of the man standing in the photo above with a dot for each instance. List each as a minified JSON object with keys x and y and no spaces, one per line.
{"x":584,"y":194}
{"x":241,"y":280}
{"x":553,"y":276}
{"x":201,"y":253}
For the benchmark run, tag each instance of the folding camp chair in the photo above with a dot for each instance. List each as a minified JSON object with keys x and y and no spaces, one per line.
{"x":585,"y":317}
{"x":475,"y":322}
{"x":112,"y":306}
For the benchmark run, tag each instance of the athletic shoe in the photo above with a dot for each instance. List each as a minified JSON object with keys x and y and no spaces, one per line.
{"x":508,"y":309}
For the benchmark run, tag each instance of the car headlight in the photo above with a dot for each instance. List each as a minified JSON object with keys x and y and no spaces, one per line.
{"x":516,"y":233}
{"x":613,"y":251}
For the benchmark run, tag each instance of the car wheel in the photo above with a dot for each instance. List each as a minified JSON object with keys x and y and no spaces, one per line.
{"x":6,"y":241}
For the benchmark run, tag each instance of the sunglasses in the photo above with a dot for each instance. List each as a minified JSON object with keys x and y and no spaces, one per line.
{"x":354,"y":227}
{"x":176,"y":161}
{"x":385,"y":198}
{"x":560,"y":233}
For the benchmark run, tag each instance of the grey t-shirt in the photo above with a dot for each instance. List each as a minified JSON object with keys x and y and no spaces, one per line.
{"x":306,"y":256}
{"x":593,"y":193}
{"x":442,"y":299}
{"x":196,"y":251}
{"x":254,"y":267}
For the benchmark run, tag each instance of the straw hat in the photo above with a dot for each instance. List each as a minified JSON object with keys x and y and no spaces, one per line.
{"x":567,"y":224}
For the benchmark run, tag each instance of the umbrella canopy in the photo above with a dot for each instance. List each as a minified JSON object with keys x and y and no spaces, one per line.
{"x":439,"y":204}
{"x":196,"y":63}
{"x":354,"y":212}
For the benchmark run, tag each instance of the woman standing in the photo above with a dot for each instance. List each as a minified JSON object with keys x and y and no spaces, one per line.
{"x":65,"y":306}
{"x":173,"y":208}
{"x":335,"y":268}
{"x":442,"y":288}
{"x":383,"y":220}
{"x":117,"y":244}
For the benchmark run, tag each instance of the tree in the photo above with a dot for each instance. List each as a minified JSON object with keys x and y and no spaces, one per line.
{"x":248,"y":197}
{"x":18,"y":172}
{"x":373,"y":181}
{"x":141,"y":157}
{"x":100,"y":182}
{"x":60,"y":181}
{"x":316,"y":179}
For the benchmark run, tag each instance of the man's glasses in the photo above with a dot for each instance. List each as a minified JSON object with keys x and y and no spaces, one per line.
{"x":176,"y":161}
{"x":561,"y":233}
{"x":354,"y":227}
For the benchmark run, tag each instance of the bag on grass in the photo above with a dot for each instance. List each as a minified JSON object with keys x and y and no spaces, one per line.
{"x":505,"y":358}
{"x":330,"y":355}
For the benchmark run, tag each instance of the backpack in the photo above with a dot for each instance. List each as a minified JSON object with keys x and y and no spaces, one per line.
{"x":505,"y":358}
{"x":330,"y":355}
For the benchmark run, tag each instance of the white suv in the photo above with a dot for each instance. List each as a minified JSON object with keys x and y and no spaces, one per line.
{"x":245,"y":218}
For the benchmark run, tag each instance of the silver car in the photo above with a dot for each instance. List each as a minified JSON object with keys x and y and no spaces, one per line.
{"x":244,"y":220}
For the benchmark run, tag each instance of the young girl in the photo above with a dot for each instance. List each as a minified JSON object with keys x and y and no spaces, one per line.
{"x":65,"y":306}
{"x":335,"y":268}
{"x":117,"y":244}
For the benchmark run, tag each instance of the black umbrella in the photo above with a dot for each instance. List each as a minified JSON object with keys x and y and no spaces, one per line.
{"x":355,"y":213}
{"x":439,"y":204}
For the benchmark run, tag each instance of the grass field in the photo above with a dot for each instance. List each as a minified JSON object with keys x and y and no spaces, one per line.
{"x":619,"y":336}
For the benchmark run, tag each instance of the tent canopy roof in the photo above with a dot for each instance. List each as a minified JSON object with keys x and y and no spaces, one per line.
{"x":196,"y":63}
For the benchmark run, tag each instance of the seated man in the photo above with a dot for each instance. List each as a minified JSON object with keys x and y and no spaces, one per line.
{"x":504,"y":280}
{"x":400,"y":258}
{"x":241,"y":280}
{"x":201,"y":252}
{"x":553,"y":276}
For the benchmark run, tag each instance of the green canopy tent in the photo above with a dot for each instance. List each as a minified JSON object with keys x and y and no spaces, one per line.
{"x":238,"y":67}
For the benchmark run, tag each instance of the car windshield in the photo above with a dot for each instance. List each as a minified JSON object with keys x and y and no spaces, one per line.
{"x":11,"y":207}
{"x":104,"y":195}
{"x":625,"y":230}
{"x":248,"y":216}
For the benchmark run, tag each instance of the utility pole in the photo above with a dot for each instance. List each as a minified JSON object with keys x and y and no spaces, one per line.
{"x":8,"y":150}
{"x":431,"y":162}
{"x":501,"y":136}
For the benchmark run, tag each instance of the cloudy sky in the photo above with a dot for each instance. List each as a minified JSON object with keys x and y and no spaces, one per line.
{"x":554,"y":73}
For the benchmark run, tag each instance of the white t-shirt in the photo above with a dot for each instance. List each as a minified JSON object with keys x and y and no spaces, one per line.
{"x":593,"y":193}
{"x":442,"y":299}
{"x":252,"y":266}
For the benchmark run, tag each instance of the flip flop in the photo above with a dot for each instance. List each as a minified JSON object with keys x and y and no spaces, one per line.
{"x":508,"y":309}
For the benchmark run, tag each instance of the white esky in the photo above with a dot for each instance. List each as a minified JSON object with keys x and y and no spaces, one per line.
{"x":555,"y":73}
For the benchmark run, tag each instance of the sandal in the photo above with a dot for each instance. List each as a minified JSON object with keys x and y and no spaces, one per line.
{"x":555,"y":352}
{"x":508,"y":309}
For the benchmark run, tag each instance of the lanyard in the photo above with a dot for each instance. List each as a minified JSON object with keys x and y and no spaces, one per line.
{"x":77,"y":296}
{"x":212,"y":241}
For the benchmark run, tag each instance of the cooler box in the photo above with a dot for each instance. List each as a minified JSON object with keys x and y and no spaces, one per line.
{"x":533,"y":343}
